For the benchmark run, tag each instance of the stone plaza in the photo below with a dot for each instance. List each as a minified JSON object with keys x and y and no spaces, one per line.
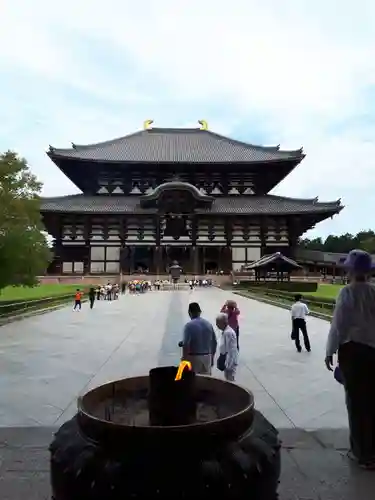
{"x":47,"y":361}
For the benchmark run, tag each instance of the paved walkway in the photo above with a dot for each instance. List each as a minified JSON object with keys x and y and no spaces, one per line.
{"x":47,"y":361}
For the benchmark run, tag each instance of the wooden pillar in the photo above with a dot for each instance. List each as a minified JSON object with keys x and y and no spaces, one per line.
{"x":263,"y":230}
{"x":194,"y":260}
{"x":86,"y":235}
{"x":131,"y":259}
{"x":293,"y":231}
{"x":228,"y":225}
{"x":58,"y":250}
{"x":157,"y":259}
{"x":58,"y":256}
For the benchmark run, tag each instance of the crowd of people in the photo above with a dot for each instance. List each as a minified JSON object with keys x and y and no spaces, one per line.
{"x":351,"y":337}
{"x":110,"y":291}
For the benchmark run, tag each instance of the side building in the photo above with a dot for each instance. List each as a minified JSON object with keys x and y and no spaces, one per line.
{"x":163,"y":194}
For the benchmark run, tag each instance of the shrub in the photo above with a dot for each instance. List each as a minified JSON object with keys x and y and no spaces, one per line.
{"x":289,"y":296}
{"x":287,"y":286}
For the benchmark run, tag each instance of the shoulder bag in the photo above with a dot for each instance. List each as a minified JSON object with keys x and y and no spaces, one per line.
{"x":221,"y":362}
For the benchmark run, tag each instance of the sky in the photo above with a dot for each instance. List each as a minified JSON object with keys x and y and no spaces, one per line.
{"x":292,"y":72}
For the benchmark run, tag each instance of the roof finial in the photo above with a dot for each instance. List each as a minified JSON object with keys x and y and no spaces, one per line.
{"x":147,"y":124}
{"x":204,"y":124}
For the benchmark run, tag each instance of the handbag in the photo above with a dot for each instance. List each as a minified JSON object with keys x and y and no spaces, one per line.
{"x":221,"y":362}
{"x":338,"y":375}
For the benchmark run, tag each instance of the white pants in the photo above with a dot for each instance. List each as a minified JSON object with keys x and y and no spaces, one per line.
{"x":230,"y":375}
{"x":201,"y":364}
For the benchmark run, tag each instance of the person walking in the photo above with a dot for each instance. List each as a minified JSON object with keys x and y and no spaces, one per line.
{"x":92,"y":294}
{"x":299,"y":311}
{"x":352,"y":337}
{"x":228,"y":358}
{"x":231,"y":309}
{"x":77,"y":300}
{"x":199,"y":341}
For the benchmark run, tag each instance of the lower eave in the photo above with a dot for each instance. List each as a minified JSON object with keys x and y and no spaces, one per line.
{"x":267,"y":205}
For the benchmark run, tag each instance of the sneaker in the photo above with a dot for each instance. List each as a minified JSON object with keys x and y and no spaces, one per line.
{"x":370,"y":465}
{"x":367,"y":465}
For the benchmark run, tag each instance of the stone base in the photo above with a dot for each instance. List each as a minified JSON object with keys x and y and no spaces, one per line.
{"x":248,"y":468}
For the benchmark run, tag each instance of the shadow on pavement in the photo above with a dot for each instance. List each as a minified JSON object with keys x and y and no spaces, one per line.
{"x":314,"y":465}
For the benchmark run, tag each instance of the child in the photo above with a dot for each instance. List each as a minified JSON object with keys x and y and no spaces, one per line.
{"x":231,"y":309}
{"x":77,"y":300}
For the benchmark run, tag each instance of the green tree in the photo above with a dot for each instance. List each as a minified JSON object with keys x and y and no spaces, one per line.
{"x":24,"y":253}
{"x":364,"y":240}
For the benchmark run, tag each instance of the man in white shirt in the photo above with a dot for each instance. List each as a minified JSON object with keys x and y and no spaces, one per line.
{"x":299,"y":311}
{"x":228,"y":347}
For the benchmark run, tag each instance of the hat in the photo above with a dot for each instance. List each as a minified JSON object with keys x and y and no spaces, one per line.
{"x":359,"y":261}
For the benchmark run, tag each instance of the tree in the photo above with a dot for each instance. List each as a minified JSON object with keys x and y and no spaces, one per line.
{"x":24,"y":253}
{"x":364,"y":240}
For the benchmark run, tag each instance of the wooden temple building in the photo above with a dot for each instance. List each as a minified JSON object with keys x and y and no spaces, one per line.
{"x":165,"y":194}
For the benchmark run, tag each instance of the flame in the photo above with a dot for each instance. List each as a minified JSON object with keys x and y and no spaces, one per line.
{"x":182,"y":366}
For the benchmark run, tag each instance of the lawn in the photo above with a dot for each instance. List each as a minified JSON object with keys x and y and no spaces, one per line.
{"x":37,"y":292}
{"x":327,"y":291}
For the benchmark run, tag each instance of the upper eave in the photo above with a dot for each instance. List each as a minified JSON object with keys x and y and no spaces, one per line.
{"x":175,"y":145}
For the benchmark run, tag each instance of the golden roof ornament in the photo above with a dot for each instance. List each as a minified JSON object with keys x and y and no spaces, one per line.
{"x":203,"y":124}
{"x":147,"y":124}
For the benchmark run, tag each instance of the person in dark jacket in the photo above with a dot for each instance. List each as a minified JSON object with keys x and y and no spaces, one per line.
{"x":92,"y":297}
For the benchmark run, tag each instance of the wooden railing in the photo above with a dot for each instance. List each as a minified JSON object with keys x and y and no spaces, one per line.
{"x":15,"y":308}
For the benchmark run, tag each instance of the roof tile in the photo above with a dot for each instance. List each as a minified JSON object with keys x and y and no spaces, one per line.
{"x":176,"y":145}
{"x":241,"y":205}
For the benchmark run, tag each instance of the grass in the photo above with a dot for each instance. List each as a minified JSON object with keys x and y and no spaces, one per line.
{"x":326,"y":291}
{"x":281,"y":301}
{"x":37,"y":292}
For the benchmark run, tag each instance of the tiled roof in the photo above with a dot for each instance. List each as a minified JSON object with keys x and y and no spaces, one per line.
{"x":241,"y":205}
{"x":304,"y":255}
{"x":175,"y":145}
{"x":275,"y":258}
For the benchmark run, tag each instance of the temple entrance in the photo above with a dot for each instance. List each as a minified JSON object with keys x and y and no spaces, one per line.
{"x":211,"y":267}
{"x":211,"y":261}
{"x":179,"y":254}
{"x":142,"y":259}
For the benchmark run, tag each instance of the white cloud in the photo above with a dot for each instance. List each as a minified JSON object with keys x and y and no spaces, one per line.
{"x":304,"y":69}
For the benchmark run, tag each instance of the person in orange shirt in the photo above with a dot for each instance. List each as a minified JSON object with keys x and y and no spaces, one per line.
{"x":77,"y":300}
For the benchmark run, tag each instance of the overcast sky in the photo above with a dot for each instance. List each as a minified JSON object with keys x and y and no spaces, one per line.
{"x":292,"y":72}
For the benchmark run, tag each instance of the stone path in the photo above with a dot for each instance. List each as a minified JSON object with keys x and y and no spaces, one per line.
{"x":47,"y":361}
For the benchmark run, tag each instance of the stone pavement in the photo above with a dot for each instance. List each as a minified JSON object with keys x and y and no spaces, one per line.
{"x":47,"y":361}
